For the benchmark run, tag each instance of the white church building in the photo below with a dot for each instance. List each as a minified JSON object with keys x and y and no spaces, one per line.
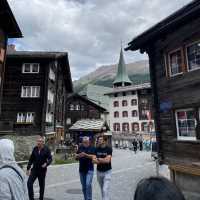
{"x":130,"y":108}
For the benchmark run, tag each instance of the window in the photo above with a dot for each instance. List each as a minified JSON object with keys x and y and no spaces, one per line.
{"x":124,"y":93}
{"x":78,"y":107}
{"x":135,"y":127}
{"x":116,"y":127}
{"x":134,"y":102}
{"x":124,"y":103}
{"x":144,"y":113}
{"x":50,"y":96}
{"x":133,"y":92}
{"x":49,"y":117}
{"x":125,"y":127}
{"x":52,"y":75}
{"x":30,"y":68}
{"x":25,"y":117}
{"x":116,"y":114}
{"x":145,"y":127}
{"x":82,"y":107}
{"x":134,"y":113}
{"x":116,"y":104}
{"x":144,"y":101}
{"x":186,"y":124}
{"x":116,"y":95}
{"x":30,"y":91}
{"x":71,"y":107}
{"x":125,"y":114}
{"x":175,"y":62}
{"x":193,"y":56}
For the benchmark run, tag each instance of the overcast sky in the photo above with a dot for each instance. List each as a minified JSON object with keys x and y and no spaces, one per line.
{"x":89,"y":30}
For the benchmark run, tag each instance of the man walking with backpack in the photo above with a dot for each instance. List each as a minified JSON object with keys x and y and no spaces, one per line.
{"x":12,"y":179}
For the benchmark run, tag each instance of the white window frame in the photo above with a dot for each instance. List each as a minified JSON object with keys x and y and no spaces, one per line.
{"x":169,"y":66}
{"x":31,"y":68}
{"x":26,"y":118}
{"x":187,"y":63}
{"x":177,"y":127}
{"x":33,"y":94}
{"x":52,"y":75}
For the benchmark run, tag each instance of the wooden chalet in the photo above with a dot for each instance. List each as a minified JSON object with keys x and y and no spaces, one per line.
{"x":173,"y":46}
{"x":78,"y":108}
{"x":36,"y":86}
{"x":8,"y":29}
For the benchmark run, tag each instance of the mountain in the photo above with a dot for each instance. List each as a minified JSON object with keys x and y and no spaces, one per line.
{"x":104,"y":75}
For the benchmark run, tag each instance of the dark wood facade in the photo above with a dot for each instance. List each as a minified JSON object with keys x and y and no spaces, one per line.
{"x":173,"y":47}
{"x":40,"y":108}
{"x":79,"y":107}
{"x":8,"y":29}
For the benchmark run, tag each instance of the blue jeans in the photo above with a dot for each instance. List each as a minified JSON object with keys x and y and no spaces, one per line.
{"x":86,"y":182}
{"x":104,"y":179}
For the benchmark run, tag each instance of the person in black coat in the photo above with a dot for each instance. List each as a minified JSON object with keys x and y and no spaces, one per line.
{"x":135,"y":144}
{"x":39,"y":160}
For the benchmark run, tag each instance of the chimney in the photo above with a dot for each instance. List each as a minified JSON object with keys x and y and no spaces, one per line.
{"x":11,"y":47}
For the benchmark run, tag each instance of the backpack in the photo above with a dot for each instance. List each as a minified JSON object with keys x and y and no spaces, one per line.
{"x":11,"y":167}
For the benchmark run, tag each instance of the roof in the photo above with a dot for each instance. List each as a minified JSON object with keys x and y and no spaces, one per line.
{"x":88,"y":125}
{"x":90,"y":101}
{"x":35,"y":54}
{"x":130,"y":88}
{"x":122,"y":76}
{"x":95,"y":93}
{"x":169,"y":24}
{"x":8,"y":22}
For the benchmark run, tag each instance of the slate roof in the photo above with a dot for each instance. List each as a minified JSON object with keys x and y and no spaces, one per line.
{"x":88,"y":125}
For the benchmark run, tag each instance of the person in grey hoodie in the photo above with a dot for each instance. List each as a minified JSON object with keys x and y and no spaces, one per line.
{"x":13,"y":184}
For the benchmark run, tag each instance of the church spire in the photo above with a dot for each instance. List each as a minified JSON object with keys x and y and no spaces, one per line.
{"x":121,"y":78}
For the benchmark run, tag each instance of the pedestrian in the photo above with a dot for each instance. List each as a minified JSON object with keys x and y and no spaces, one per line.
{"x":104,"y":168}
{"x":85,"y":156}
{"x":157,"y":188}
{"x":13,"y":184}
{"x":140,"y":143}
{"x":135,"y":144}
{"x":39,"y":160}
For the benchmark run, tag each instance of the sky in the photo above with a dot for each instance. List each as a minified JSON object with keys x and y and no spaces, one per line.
{"x":90,"y":31}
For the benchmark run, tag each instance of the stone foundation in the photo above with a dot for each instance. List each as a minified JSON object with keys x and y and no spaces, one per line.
{"x":23,"y":145}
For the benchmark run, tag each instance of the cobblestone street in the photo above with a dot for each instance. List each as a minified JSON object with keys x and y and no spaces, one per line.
{"x":63,"y":181}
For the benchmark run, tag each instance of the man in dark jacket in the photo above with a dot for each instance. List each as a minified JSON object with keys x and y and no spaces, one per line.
{"x":39,"y":160}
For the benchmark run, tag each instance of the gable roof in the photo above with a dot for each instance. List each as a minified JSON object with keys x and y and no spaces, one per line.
{"x":87,"y":101}
{"x":95,"y":125}
{"x":8,"y":22}
{"x":169,"y":24}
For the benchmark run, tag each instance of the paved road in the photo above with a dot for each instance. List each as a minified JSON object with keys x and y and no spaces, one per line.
{"x":63,"y":181}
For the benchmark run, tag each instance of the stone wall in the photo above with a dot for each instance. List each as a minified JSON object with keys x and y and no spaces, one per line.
{"x":23,"y":145}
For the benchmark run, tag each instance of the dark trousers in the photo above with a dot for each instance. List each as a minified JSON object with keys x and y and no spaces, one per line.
{"x":41,"y":179}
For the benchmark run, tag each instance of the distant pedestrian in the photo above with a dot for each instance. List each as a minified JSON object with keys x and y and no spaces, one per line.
{"x":135,"y":144}
{"x":157,"y":188}
{"x":13,"y":184}
{"x":104,"y":168}
{"x":40,"y":159}
{"x":140,"y":143}
{"x":85,"y":155}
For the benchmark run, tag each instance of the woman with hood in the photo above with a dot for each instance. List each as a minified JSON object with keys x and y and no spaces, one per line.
{"x":13,"y":184}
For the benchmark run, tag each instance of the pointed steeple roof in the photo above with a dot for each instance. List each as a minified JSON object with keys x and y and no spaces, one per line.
{"x":121,"y":78}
